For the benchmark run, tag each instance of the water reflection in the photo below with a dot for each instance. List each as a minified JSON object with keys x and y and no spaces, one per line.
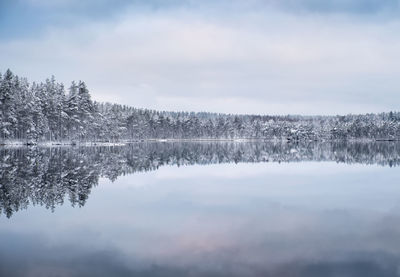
{"x":47,"y":176}
{"x":289,"y":219}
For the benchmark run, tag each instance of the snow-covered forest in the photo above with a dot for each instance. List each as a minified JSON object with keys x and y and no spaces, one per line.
{"x":50,"y":112}
{"x":49,"y":176}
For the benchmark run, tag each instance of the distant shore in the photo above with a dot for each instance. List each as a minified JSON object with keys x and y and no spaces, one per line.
{"x":124,"y":142}
{"x":119,"y":143}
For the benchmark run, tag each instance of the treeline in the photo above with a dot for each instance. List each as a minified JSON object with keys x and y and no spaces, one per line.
{"x":49,"y":112}
{"x":49,"y":176}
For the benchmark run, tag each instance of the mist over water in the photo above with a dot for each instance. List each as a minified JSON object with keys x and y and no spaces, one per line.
{"x":201,"y":209}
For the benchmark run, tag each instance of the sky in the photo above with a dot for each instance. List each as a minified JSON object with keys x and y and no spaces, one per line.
{"x":249,"y":57}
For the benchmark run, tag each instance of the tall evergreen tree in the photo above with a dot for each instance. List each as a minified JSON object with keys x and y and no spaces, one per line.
{"x":8,"y":116}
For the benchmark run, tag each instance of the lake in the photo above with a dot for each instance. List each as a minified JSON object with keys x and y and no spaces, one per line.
{"x":201,"y":209}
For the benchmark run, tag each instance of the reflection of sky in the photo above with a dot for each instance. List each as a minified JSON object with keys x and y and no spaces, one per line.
{"x":297,"y":219}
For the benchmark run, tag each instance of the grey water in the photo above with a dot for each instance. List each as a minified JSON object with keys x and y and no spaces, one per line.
{"x":201,"y":209}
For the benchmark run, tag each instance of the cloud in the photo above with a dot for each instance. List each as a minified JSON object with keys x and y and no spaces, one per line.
{"x":22,"y":18}
{"x":339,"y":6}
{"x":327,"y":6}
{"x":264,"y":61}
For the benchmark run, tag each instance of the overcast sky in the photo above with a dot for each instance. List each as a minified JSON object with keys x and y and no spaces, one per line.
{"x":253,"y":56}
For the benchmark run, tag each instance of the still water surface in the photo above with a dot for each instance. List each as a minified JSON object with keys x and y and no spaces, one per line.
{"x":201,"y":209}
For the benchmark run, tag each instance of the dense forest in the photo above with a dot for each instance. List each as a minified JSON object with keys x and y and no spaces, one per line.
{"x":50,"y":176}
{"x":49,"y":112}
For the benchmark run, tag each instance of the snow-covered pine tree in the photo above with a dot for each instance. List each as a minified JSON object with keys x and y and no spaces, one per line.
{"x":7,"y":102}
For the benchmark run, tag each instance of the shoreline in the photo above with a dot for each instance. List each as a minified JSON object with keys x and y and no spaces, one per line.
{"x":127,"y":142}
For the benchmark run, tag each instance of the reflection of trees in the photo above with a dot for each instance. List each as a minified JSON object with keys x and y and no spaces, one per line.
{"x":46,"y":176}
